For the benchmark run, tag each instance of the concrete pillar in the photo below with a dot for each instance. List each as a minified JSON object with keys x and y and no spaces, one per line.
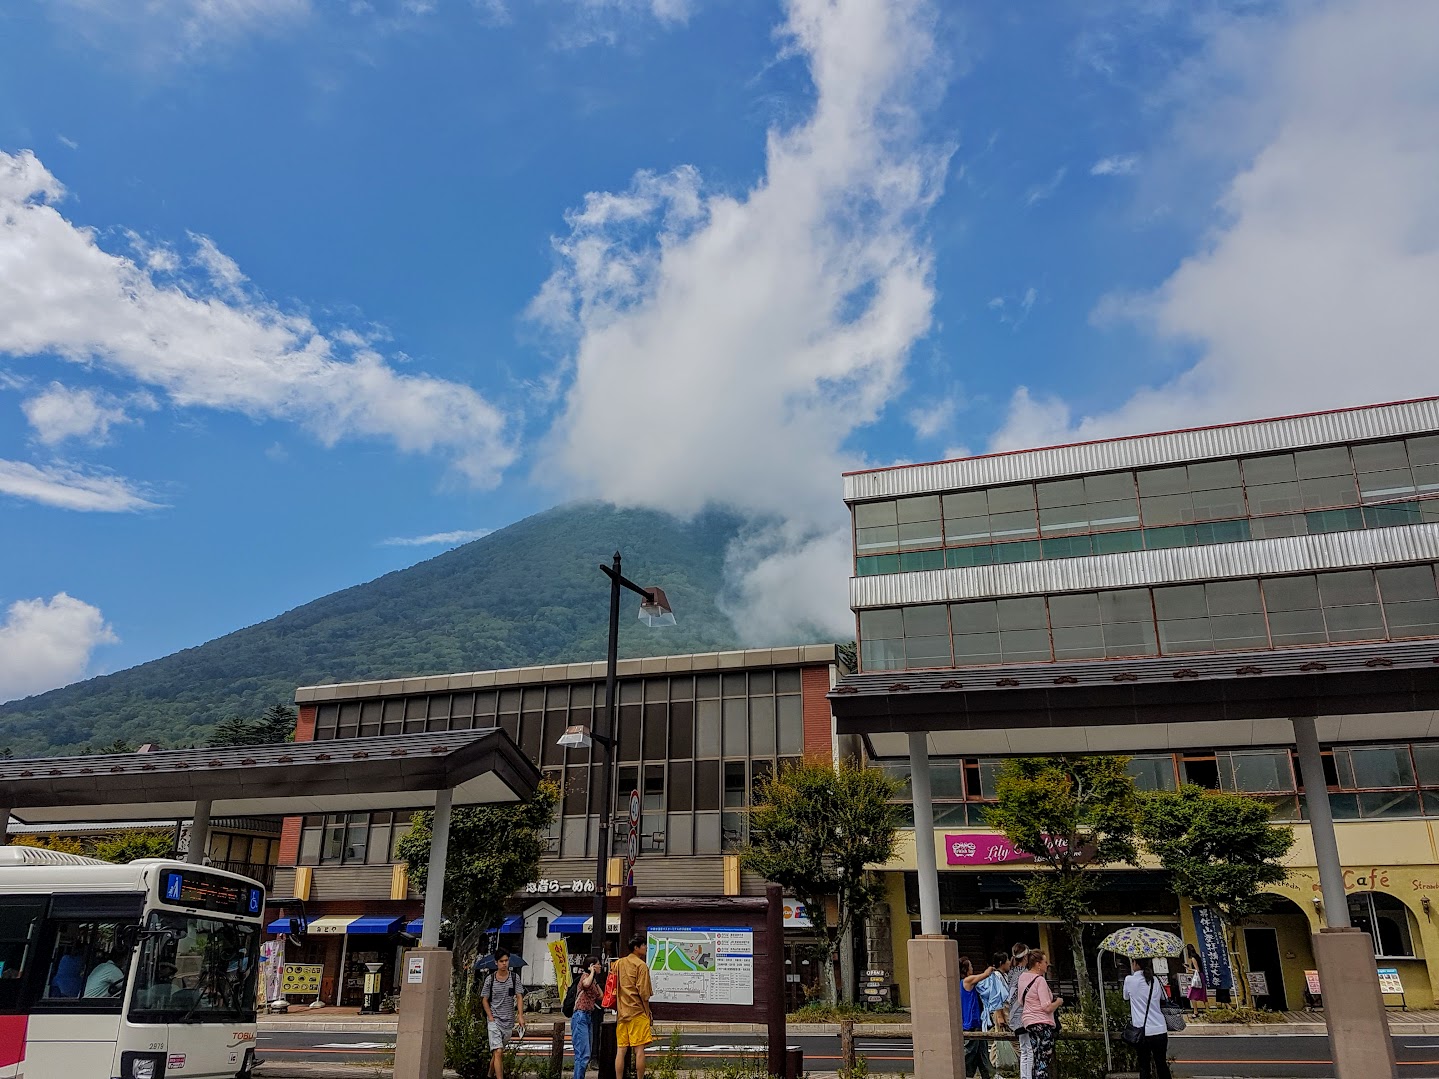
{"x":435,"y":873}
{"x":1359,"y":1040}
{"x":424,"y":1013}
{"x":924,"y":834}
{"x":199,"y":833}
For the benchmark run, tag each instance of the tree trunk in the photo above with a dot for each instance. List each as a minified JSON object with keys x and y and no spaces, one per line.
{"x":831,"y":987}
{"x":1081,"y":966}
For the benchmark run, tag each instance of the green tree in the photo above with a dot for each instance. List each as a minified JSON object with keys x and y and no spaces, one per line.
{"x":1220,"y":849}
{"x":276,"y":724}
{"x":494,"y":851}
{"x":62,"y":843}
{"x":119,"y":745}
{"x":131,"y":846}
{"x":1074,"y":815}
{"x":815,"y":830}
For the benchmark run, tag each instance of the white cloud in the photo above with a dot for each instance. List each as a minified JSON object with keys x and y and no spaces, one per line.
{"x":1316,"y":287}
{"x":1118,"y":165}
{"x":205,"y":345}
{"x":727,"y":344}
{"x":68,"y":142}
{"x":449,"y":539}
{"x":222,"y":270}
{"x":60,"y":412}
{"x":1040,"y":192}
{"x":167,"y":30}
{"x":933,"y":419}
{"x":48,"y":643}
{"x":70,"y":489}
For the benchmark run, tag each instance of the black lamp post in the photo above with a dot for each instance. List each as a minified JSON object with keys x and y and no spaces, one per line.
{"x":654,"y":611}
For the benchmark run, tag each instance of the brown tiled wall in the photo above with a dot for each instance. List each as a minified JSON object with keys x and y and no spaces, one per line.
{"x":814,"y":684}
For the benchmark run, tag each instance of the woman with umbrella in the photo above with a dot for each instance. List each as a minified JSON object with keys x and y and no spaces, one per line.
{"x":1144,"y":993}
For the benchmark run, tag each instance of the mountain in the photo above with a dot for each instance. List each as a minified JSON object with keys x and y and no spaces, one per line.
{"x":530,"y":593}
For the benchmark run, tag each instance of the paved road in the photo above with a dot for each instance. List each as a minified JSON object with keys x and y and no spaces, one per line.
{"x":1286,"y":1056}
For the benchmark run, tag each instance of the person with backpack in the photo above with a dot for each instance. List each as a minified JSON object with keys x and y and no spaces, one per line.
{"x":582,"y":1008}
{"x":1018,"y":959}
{"x":1145,"y":996}
{"x":503,"y":998}
{"x":1037,"y":1005}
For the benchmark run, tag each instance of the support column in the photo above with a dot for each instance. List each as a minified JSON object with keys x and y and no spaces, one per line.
{"x":199,"y":833}
{"x":4,"y":825}
{"x":1359,"y":1039}
{"x":425,"y":991}
{"x":933,"y":958}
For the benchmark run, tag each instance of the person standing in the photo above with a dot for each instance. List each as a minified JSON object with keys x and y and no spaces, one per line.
{"x":1018,"y":958}
{"x":994,"y":997}
{"x":1037,"y":1005}
{"x":503,"y":998}
{"x":633,"y":1027}
{"x":1142,"y":991}
{"x":584,"y":1027}
{"x":971,"y":1011}
{"x":1198,"y":991}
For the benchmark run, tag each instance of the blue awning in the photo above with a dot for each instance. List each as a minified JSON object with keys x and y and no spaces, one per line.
{"x":381,"y":924}
{"x":279,"y":925}
{"x":570,"y":923}
{"x":415,"y":927}
{"x":515,"y":923}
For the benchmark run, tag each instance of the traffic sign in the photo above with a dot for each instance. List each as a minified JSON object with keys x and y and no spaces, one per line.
{"x":632,"y":852}
{"x":634,"y":810}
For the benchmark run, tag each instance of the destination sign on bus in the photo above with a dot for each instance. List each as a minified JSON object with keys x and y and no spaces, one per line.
{"x":189,"y":888}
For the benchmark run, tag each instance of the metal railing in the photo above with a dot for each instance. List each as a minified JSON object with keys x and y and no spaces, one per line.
{"x":265,"y":874}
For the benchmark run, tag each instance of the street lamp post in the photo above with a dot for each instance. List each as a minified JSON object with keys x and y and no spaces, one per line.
{"x":654,"y":611}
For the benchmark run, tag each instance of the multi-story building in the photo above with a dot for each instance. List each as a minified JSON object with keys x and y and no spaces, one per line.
{"x":1183,"y":597}
{"x":695,"y":734}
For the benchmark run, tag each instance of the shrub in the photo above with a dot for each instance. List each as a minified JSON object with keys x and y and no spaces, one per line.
{"x":1226,"y":1014}
{"x":467,"y":1039}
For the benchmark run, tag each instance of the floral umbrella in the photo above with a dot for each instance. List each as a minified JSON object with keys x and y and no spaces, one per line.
{"x":1138,"y":942}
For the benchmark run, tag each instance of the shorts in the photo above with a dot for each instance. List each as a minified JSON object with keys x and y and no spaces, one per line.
{"x":633,"y":1032}
{"x":500,"y":1036}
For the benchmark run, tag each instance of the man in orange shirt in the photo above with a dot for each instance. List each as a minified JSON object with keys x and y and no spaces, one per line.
{"x":632,"y":1007}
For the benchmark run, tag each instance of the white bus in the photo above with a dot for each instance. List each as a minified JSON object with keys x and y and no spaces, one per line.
{"x":139,"y":971}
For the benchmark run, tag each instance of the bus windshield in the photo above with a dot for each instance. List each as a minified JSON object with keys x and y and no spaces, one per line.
{"x":193,"y":969}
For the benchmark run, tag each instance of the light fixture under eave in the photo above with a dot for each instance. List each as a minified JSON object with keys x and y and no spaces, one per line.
{"x":575,"y":738}
{"x":655,"y":611}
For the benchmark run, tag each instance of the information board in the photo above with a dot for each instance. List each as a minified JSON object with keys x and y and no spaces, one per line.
{"x":701,"y":965}
{"x":302,"y":979}
{"x":1389,"y":981}
{"x":1258,"y":983}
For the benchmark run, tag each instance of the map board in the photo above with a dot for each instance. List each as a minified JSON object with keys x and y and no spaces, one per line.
{"x":701,"y":965}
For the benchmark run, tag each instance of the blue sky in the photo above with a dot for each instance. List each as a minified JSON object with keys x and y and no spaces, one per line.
{"x":287,"y":287}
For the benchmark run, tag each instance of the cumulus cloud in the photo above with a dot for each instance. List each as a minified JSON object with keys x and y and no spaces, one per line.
{"x":60,"y":412}
{"x":48,"y":643}
{"x":70,"y":489}
{"x":448,"y":539}
{"x":206,"y":344}
{"x":725,"y":345}
{"x":1316,"y":286}
{"x":933,"y":419}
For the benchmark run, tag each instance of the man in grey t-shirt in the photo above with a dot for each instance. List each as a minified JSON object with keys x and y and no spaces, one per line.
{"x":503,"y":997}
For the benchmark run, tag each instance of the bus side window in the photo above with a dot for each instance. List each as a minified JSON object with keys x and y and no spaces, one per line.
{"x":86,"y":961}
{"x":20,"y":920}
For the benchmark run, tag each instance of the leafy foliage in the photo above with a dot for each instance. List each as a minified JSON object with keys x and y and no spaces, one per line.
{"x":1075,"y":815}
{"x":1220,"y":849}
{"x":276,"y":724}
{"x":494,"y":850}
{"x":131,"y":846}
{"x":527,"y":594}
{"x":467,"y":1038}
{"x":814,"y":830}
{"x":64,"y":844}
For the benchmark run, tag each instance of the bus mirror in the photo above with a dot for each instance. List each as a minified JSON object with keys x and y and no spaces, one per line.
{"x":128,"y":937}
{"x":297,"y":927}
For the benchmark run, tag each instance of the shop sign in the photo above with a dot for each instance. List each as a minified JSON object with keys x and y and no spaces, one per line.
{"x":795,"y":916}
{"x":1213,"y":952}
{"x":301,"y":978}
{"x":1389,"y":981}
{"x":975,"y":848}
{"x":549,"y":886}
{"x":1311,"y":981}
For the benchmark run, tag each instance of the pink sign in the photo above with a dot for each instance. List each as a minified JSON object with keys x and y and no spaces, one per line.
{"x":981,"y":848}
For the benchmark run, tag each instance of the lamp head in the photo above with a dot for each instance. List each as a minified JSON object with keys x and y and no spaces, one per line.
{"x":1317,"y":902}
{"x":655,"y":611}
{"x":575,"y":738}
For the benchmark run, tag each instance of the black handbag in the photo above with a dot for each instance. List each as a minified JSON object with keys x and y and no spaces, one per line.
{"x":1133,"y":1035}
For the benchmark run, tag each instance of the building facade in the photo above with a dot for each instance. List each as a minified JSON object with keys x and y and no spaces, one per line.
{"x":694,"y":733}
{"x":1274,"y":551}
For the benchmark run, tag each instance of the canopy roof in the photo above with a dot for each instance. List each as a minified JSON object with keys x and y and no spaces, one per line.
{"x":389,"y":772}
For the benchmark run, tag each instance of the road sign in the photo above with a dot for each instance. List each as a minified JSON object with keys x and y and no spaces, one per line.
{"x":634,"y":811}
{"x":632,"y":852}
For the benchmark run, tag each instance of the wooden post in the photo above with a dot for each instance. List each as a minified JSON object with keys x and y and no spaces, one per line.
{"x":773,"y":975}
{"x":846,"y":1047}
{"x":557,"y":1047}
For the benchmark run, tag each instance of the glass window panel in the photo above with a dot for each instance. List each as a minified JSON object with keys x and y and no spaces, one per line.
{"x":681,"y":689}
{"x":682,"y":730}
{"x":1358,"y":623}
{"x":708,"y":685}
{"x":787,"y":681}
{"x":653,"y":792}
{"x":1233,"y":597}
{"x":1172,"y":536}
{"x":325,"y":720}
{"x":1060,"y":493}
{"x":707,"y":833}
{"x":1276,"y":527}
{"x":1180,"y":601}
{"x":1327,"y":462}
{"x":1389,"y":804}
{"x":919,"y":560}
{"x":1153,"y":773}
{"x":1260,"y":773}
{"x":1380,"y":456}
{"x":791,"y":725}
{"x":736,"y":727}
{"x":881,"y":655}
{"x":1219,"y":503}
{"x":1277,"y":468}
{"x":876,"y":564}
{"x":966,"y":504}
{"x":1222,"y":532}
{"x":681,"y":796}
{"x":1186,"y":635}
{"x":707,"y":784}
{"x":1079,"y":642}
{"x":1017,"y":525}
{"x":734,"y":685}
{"x":1167,"y":509}
{"x":1381,"y":766}
{"x":1011,"y":499}
{"x":1017,"y":552}
{"x":988,"y":779}
{"x":1328,"y":491}
{"x":370,"y":718}
{"x":1129,"y":639}
{"x":761,"y":682}
{"x":1391,"y":515}
{"x":1317,"y":523}
{"x":1118,"y":542}
{"x":946,"y":778}
{"x":966,"y":529}
{"x":1163,"y":481}
{"x":1345,"y":588}
{"x":1026,"y":613}
{"x":923,"y":652}
{"x":656,"y":729}
{"x":875,"y":626}
{"x":1067,"y":546}
{"x":349,"y":723}
{"x":1025,"y":645}
{"x":1423,"y":450}
{"x":924,"y":534}
{"x":1384,"y":486}
{"x":976,"y":648}
{"x":707,"y":729}
{"x":1125,"y":605}
{"x":919,"y":508}
{"x":981,"y":617}
{"x":762,"y":723}
{"x":310,"y":844}
{"x":1214,"y":475}
{"x":1062,"y":520}
{"x":1406,"y":584}
{"x":1113,"y":486}
{"x":963,"y":557}
{"x":1274,"y":498}
{"x":875,"y":514}
{"x":1078,"y":609}
{"x":926,"y":621}
{"x":1113,"y":514}
{"x":1240,"y":631}
{"x":1426,"y":761}
{"x":736,"y":784}
{"x":1291,"y":593}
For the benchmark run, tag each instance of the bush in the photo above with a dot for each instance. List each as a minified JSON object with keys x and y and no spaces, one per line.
{"x":667,"y":1064}
{"x":467,"y":1039}
{"x":860,"y":1013}
{"x":1225,"y":1013}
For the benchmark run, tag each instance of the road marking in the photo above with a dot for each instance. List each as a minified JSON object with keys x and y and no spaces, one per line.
{"x":354,"y":1045}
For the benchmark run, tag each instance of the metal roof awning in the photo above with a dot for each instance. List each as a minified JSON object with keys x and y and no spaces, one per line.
{"x":515,"y":923}
{"x":1359,"y":692}
{"x":389,"y":772}
{"x":348,"y":924}
{"x":571,"y":923}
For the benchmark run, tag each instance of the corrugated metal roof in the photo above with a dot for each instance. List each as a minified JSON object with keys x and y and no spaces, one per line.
{"x":1143,"y":451}
{"x":1253,"y":558}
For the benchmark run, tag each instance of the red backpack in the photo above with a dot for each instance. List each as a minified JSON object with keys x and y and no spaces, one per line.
{"x":612,"y":989}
